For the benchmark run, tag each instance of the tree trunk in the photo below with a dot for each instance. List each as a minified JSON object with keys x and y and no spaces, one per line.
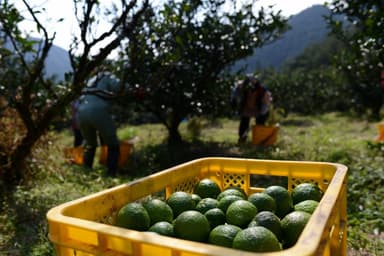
{"x":375,"y":112}
{"x":375,"y":103}
{"x":174,"y":136}
{"x":13,"y":172}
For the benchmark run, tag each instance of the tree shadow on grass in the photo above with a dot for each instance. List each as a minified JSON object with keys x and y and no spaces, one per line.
{"x":154,"y":158}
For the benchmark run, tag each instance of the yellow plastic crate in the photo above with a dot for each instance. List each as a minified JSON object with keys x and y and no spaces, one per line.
{"x":84,"y":226}
{"x":126,"y":148}
{"x":75,"y":155}
{"x":264,"y":135}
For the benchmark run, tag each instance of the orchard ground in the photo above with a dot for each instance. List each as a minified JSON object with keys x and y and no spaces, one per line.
{"x":332,"y":137}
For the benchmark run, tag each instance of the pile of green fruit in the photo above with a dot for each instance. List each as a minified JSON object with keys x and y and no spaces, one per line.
{"x":267,"y":221}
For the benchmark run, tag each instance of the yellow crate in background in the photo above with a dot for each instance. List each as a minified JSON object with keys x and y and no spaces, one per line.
{"x":126,"y":148}
{"x":380,"y":135}
{"x":74,"y":155}
{"x":264,"y":135}
{"x":85,"y":226}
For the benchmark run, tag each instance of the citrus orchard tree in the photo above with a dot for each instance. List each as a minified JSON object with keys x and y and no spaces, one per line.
{"x":27,"y":93}
{"x":178,"y":65}
{"x":362,"y":59}
{"x":308,"y":91}
{"x":310,"y":83}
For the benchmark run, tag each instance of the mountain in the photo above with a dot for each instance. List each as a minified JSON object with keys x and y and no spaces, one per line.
{"x":307,"y":27}
{"x":57,"y":63}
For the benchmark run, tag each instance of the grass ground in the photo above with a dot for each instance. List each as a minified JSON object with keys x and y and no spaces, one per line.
{"x":330,"y":137}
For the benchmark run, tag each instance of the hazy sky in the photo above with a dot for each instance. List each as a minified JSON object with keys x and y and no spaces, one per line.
{"x":63,"y":9}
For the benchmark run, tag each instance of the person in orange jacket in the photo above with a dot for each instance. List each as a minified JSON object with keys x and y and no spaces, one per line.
{"x":254,"y":102}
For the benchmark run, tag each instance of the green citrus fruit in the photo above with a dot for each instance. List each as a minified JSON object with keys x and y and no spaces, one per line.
{"x":215,"y":217}
{"x":180,"y":201}
{"x":240,"y":213}
{"x":207,"y":188}
{"x":306,"y":191}
{"x":196,"y":198}
{"x":308,"y":206}
{"x":231,"y":191}
{"x":206,"y":204}
{"x":282,"y":198}
{"x":227,"y":200}
{"x":223,"y":235}
{"x":239,"y":189}
{"x":268,"y":220}
{"x":133,"y":216}
{"x":192,"y":225}
{"x":256,"y":239}
{"x":263,"y":202}
{"x":162,"y":228}
{"x":292,"y":225}
{"x":158,"y":210}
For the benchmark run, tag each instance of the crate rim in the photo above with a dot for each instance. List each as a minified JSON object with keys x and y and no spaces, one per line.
{"x":92,"y":195}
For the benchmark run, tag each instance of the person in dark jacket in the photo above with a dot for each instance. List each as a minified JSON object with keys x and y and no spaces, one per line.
{"x":78,"y":138}
{"x":95,"y":119}
{"x":254,"y":100}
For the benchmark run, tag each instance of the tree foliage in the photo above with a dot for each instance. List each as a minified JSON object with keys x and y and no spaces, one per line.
{"x":310,"y":83}
{"x":340,"y":73}
{"x":177,"y":65}
{"x":310,"y":91}
{"x":362,"y":59}
{"x":35,"y":99}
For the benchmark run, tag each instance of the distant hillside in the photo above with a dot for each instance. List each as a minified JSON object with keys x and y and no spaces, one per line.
{"x":307,"y":27}
{"x":57,"y":63}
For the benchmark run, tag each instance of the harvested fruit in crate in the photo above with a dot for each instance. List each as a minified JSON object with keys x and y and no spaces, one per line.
{"x":263,"y":221}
